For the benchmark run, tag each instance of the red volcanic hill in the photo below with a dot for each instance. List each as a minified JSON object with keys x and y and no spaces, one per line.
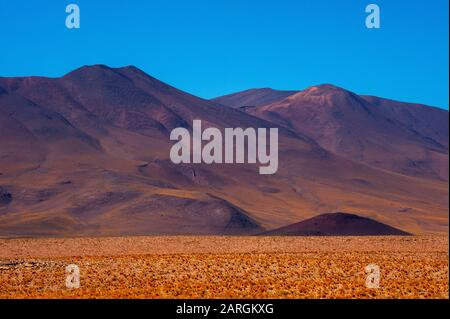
{"x":401,"y":137}
{"x":337,"y":224}
{"x":88,"y":154}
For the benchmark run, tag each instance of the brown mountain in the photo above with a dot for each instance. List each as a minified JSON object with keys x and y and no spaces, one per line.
{"x":253,"y":97}
{"x":337,"y":224}
{"x":88,"y":154}
{"x":406,"y":138}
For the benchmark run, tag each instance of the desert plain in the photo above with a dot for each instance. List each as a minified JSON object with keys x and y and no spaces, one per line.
{"x":225,"y":267}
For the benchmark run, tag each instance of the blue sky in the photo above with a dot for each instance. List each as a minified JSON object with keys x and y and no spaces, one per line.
{"x":215,"y":47}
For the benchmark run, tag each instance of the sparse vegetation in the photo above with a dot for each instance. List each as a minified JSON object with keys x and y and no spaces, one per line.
{"x":225,"y":267}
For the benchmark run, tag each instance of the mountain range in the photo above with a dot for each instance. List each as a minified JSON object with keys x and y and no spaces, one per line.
{"x":406,"y":138}
{"x":87,"y":154}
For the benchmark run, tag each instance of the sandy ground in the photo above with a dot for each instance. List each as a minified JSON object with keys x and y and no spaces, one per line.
{"x":225,"y":267}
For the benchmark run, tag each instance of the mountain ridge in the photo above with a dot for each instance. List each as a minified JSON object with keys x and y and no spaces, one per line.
{"x":88,"y":154}
{"x":367,"y":129}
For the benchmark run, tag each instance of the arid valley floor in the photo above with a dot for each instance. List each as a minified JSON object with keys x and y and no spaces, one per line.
{"x":225,"y":267}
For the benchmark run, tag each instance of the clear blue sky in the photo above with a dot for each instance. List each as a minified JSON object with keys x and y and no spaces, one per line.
{"x":215,"y":47}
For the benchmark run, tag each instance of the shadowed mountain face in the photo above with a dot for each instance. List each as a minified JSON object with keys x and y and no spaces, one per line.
{"x":88,"y":154}
{"x":5,"y":197}
{"x":337,"y":224}
{"x":253,"y":97}
{"x":405,"y":138}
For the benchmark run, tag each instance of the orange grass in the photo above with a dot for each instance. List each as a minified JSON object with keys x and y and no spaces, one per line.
{"x":225,"y":267}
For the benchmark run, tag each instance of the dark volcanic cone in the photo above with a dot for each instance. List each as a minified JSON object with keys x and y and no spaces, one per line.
{"x":337,"y":224}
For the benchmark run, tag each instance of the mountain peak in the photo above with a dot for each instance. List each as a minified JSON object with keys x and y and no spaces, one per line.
{"x":324,"y":88}
{"x":326,"y":95}
{"x":102,"y":69}
{"x":93,"y":67}
{"x":89,"y":71}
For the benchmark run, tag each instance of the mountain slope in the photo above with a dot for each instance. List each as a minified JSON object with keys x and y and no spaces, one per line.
{"x":88,"y":154}
{"x":252,"y":97}
{"x":405,"y":138}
